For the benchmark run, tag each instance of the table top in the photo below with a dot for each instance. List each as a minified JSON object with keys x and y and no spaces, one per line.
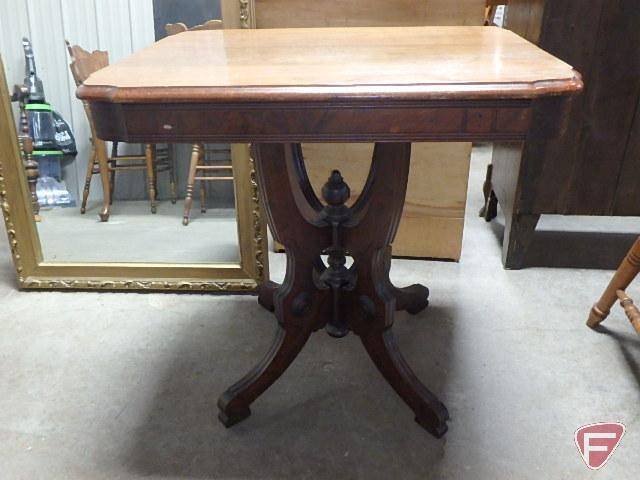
{"x":320,"y":64}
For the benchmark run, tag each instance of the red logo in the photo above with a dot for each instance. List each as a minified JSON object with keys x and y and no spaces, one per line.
{"x":597,"y":442}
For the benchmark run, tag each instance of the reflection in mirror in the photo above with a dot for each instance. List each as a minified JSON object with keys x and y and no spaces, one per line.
{"x":97,"y":201}
{"x":83,"y":213}
{"x":133,"y":233}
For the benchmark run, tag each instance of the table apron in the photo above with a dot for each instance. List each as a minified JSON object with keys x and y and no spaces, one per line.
{"x":439,"y":121}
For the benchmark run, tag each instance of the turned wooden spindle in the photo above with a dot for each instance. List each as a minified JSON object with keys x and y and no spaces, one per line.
{"x":20,"y":92}
{"x":626,"y":272}
{"x":633,"y":314}
{"x":199,"y":167}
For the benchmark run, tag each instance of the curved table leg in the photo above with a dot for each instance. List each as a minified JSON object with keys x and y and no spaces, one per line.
{"x":431,"y":414}
{"x":234,"y":403}
{"x":340,"y":299}
{"x":372,"y":317}
{"x":297,"y":301}
{"x":373,"y":321}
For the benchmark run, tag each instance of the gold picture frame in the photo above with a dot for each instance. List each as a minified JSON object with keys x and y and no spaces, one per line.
{"x":35,"y":273}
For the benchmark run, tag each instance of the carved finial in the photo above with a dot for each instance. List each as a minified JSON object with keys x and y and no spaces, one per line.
{"x":337,"y":276}
{"x":336,"y":192}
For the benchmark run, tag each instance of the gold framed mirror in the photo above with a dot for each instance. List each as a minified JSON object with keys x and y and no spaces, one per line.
{"x":134,"y":250}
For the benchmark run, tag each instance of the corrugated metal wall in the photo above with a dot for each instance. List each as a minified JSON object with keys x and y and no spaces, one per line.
{"x":118,"y":26}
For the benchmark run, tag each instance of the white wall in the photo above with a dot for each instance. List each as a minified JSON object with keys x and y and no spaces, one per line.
{"x":118,"y":26}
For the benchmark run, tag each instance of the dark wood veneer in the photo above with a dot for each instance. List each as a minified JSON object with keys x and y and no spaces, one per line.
{"x":407,"y":121}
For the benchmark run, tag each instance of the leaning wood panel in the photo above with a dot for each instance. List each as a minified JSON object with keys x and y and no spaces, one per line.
{"x":433,"y":217}
{"x":370,"y":13}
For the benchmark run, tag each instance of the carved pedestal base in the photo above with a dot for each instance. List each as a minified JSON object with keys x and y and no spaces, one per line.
{"x":315,"y":295}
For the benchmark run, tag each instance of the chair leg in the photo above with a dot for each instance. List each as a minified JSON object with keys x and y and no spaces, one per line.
{"x":203,"y":185}
{"x":91,"y":164}
{"x":193,"y":166}
{"x":149,"y":162}
{"x":103,"y":165}
{"x":626,"y":272}
{"x":203,"y":197}
{"x":633,"y":314}
{"x":155,"y":173}
{"x":113,"y":164}
{"x":171,"y":161}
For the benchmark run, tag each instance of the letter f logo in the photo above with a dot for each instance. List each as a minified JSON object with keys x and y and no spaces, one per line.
{"x":597,"y":442}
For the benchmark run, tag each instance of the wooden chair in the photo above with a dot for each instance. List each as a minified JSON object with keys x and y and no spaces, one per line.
{"x":82,"y":65}
{"x":173,"y":28}
{"x":627,"y":271}
{"x":198,"y":166}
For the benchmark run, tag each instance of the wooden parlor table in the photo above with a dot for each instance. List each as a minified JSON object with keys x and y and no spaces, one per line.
{"x":278,"y":87}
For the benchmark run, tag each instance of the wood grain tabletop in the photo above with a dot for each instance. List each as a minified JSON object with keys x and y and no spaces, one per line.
{"x":320,"y":64}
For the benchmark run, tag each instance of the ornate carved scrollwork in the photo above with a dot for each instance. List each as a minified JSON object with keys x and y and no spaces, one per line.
{"x":337,"y":276}
{"x":11,"y":232}
{"x":258,"y":223}
{"x":138,"y":283}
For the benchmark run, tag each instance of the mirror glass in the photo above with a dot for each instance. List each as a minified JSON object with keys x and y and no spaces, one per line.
{"x":133,"y":233}
{"x":70,"y":185}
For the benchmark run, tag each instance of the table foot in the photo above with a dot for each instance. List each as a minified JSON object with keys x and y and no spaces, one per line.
{"x":412,"y":299}
{"x":266,"y":291}
{"x":359,"y":298}
{"x":229,"y":419}
{"x":430,"y":413}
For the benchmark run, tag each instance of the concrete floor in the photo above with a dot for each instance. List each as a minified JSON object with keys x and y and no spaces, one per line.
{"x":123,"y":386}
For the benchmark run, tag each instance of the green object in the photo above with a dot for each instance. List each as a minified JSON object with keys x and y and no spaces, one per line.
{"x":39,"y":106}
{"x":47,"y":152}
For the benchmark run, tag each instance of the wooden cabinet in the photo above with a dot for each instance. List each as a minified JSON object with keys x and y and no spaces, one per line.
{"x":433,"y":218}
{"x":592,"y":169}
